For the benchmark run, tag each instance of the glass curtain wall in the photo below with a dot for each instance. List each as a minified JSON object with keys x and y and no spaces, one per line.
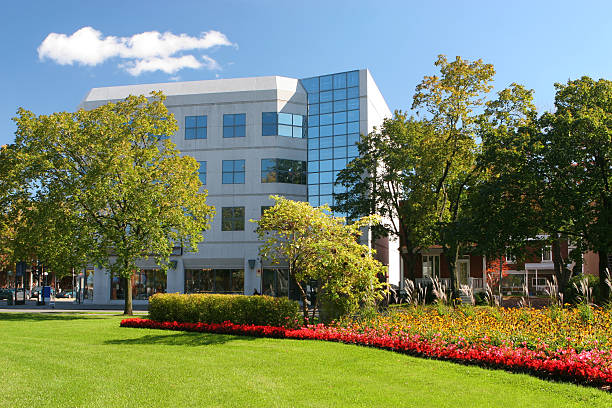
{"x":333,"y":131}
{"x":145,"y":283}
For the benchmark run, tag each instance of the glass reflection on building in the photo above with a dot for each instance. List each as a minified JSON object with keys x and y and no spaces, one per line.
{"x":333,"y":131}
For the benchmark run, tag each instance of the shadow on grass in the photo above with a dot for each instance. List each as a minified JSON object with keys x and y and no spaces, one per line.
{"x":181,"y":339}
{"x":44,"y":316}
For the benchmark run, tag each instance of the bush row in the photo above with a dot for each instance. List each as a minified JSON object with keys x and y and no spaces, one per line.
{"x":240,"y":309}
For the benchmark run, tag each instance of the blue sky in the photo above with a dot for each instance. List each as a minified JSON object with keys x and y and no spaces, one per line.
{"x":536,"y":43}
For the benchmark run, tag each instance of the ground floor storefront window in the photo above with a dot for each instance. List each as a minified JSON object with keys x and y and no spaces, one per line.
{"x":276,"y":282}
{"x":145,"y":283}
{"x":214,"y":280}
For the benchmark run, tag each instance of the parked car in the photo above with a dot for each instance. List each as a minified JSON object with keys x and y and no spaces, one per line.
{"x":35,"y":291}
{"x":5,"y":294}
{"x":64,"y":295}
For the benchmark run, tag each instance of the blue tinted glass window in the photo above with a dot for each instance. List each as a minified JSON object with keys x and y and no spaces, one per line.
{"x":313,"y":143}
{"x":326,"y":199}
{"x":339,"y":164}
{"x":325,"y":131}
{"x":325,"y":107}
{"x":339,"y":106}
{"x":232,"y":171}
{"x":190,"y":133}
{"x":326,"y":96}
{"x":325,"y":119}
{"x":353,"y":92}
{"x":326,"y":165}
{"x":339,"y":94}
{"x":326,"y":177}
{"x":353,"y":116}
{"x":234,"y":125}
{"x":339,"y":152}
{"x":313,"y":189}
{"x":313,"y":154}
{"x":339,"y":117}
{"x":325,"y":154}
{"x":313,"y":178}
{"x":313,"y":166}
{"x":352,"y":78}
{"x":202,"y":172}
{"x":269,"y":130}
{"x":340,"y":129}
{"x":313,"y":120}
{"x":195,"y":127}
{"x":353,"y":127}
{"x":325,"y":189}
{"x":313,"y":98}
{"x":338,"y":189}
{"x":313,"y":132}
{"x":285,"y":119}
{"x":325,"y":142}
{"x":313,"y":109}
{"x":313,"y":200}
{"x":269,"y":118}
{"x":298,"y":120}
{"x":285,"y":130}
{"x":190,"y":121}
{"x":352,"y":104}
{"x":311,"y":84}
{"x":340,"y":80}
{"x":325,"y":83}
{"x":352,"y":151}
{"x":283,"y":171}
{"x":340,"y":140}
{"x":353,"y":138}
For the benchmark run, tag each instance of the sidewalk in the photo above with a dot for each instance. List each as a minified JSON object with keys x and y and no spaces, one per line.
{"x":66,"y":306}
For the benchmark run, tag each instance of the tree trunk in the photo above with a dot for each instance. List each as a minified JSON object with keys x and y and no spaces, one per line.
{"x":409,"y":259}
{"x":452,"y":254}
{"x":127,"y":310}
{"x":604,"y":273}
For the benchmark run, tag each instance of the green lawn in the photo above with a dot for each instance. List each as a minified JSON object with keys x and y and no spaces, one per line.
{"x":52,"y":360}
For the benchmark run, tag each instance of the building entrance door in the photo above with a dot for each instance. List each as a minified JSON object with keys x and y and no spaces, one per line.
{"x":463,"y":271}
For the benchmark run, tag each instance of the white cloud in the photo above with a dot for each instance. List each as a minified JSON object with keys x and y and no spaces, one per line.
{"x":144,"y":52}
{"x":169,"y":65}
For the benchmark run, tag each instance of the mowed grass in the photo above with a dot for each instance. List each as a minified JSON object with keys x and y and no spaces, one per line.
{"x":52,"y":360}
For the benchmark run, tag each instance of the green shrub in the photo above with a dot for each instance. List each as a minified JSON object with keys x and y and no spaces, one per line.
{"x":238,"y":309}
{"x":480,"y":299}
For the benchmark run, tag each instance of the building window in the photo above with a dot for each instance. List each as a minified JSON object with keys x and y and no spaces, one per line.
{"x":214,"y":280}
{"x":283,"y":171}
{"x":234,"y":125}
{"x":547,"y":254}
{"x":538,"y":281}
{"x":264,"y":208}
{"x":282,"y":124}
{"x":233,"y":172}
{"x":145,"y":283}
{"x":195,"y":127}
{"x":431,"y":266}
{"x":202,"y":172}
{"x":89,"y":284}
{"x":232,"y":219}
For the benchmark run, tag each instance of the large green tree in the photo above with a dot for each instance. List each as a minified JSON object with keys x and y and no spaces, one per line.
{"x":450,"y":103}
{"x":316,"y":246}
{"x":391,"y":178}
{"x":111,"y":186}
{"x":576,"y":165}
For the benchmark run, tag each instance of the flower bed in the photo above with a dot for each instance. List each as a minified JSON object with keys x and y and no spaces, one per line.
{"x":592,"y":366}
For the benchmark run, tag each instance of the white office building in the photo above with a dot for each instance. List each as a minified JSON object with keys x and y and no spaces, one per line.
{"x":253,"y":137}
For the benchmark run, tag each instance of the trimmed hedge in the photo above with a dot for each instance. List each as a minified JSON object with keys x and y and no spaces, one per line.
{"x":239,"y":309}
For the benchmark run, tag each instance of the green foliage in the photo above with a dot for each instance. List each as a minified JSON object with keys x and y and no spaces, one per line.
{"x":573,"y":295}
{"x":108,"y":182}
{"x":238,"y":309}
{"x":316,"y":246}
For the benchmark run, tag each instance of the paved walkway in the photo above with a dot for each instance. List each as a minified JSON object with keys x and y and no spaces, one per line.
{"x":67,"y":306}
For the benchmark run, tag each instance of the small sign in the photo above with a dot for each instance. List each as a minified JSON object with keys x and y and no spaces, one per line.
{"x":258,"y":273}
